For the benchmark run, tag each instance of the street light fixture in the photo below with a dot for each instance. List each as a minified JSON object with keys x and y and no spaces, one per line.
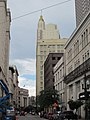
{"x":86,"y":86}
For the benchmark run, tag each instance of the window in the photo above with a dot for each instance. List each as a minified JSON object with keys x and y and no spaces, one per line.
{"x":77,"y":87}
{"x":69,"y":56}
{"x":41,"y":67}
{"x":41,"y":83}
{"x":41,"y":72}
{"x":82,"y":41}
{"x":70,"y":69}
{"x":76,"y":63}
{"x":70,"y":91}
{"x":83,"y":58}
{"x":59,"y":58}
{"x":87,"y":54}
{"x":41,"y":57}
{"x":86,"y":36}
{"x":41,"y":77}
{"x":58,"y":75}
{"x":53,"y":58}
{"x":76,"y":48}
{"x":53,"y":65}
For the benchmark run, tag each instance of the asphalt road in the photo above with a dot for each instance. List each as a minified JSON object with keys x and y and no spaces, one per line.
{"x":30,"y":117}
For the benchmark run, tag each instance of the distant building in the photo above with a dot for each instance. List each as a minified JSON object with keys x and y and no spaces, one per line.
{"x":48,"y":41}
{"x":32,"y":101}
{"x":13,"y":85}
{"x":23,"y":96}
{"x":82,"y":8}
{"x":60,"y":86}
{"x":49,"y":64}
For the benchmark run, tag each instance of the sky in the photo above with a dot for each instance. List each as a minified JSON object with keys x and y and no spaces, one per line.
{"x":24,"y":33}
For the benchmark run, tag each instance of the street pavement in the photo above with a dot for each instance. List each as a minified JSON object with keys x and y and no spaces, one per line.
{"x":29,"y":117}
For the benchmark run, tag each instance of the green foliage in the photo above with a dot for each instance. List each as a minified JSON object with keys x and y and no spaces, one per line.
{"x":47,"y":98}
{"x":75,"y":104}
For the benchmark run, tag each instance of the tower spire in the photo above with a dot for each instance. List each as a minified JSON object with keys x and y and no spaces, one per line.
{"x":41,"y":17}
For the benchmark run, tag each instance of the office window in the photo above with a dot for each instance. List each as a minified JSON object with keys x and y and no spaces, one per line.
{"x":41,"y":72}
{"x":41,"y":77}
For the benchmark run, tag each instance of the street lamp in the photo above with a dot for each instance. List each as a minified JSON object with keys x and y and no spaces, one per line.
{"x":86,"y":86}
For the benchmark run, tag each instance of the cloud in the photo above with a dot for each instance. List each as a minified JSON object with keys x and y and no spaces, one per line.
{"x":28,"y":84}
{"x":24,"y":30}
{"x":27,"y":74}
{"x":24,"y":33}
{"x":25,"y":66}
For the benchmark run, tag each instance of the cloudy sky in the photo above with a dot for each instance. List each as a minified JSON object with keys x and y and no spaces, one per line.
{"x":24,"y":32}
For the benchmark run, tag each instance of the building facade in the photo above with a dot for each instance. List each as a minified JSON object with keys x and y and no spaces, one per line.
{"x":23,"y":97}
{"x":5,"y":19}
{"x":82,"y":7}
{"x":77,"y":55}
{"x":13,"y":85}
{"x":49,"y":64}
{"x":59,"y":84}
{"x":48,"y":41}
{"x":32,"y":101}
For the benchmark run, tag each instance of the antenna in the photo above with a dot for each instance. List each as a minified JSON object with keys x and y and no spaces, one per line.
{"x":41,"y":12}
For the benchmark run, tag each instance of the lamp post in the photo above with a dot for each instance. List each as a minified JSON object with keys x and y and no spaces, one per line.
{"x":86,"y":94}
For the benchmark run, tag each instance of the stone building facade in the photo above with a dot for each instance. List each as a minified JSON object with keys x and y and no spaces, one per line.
{"x":77,"y":63}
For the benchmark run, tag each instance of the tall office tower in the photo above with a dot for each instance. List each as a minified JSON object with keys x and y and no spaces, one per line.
{"x":82,"y":7}
{"x":48,"y":41}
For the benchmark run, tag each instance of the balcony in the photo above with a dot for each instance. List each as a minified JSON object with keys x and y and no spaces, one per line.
{"x":79,"y":71}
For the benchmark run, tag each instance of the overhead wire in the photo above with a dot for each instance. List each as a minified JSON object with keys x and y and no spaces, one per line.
{"x":41,"y":9}
{"x":38,"y":10}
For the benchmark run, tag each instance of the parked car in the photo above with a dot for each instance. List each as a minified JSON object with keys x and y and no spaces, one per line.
{"x":41,"y":114}
{"x":67,"y":115}
{"x":50,"y":116}
{"x":33,"y":112}
{"x":45,"y":115}
{"x":10,"y":114}
{"x":55,"y":116}
{"x":22,"y":113}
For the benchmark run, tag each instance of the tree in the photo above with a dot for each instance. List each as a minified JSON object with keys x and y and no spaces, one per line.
{"x":75,"y":104}
{"x":47,"y":98}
